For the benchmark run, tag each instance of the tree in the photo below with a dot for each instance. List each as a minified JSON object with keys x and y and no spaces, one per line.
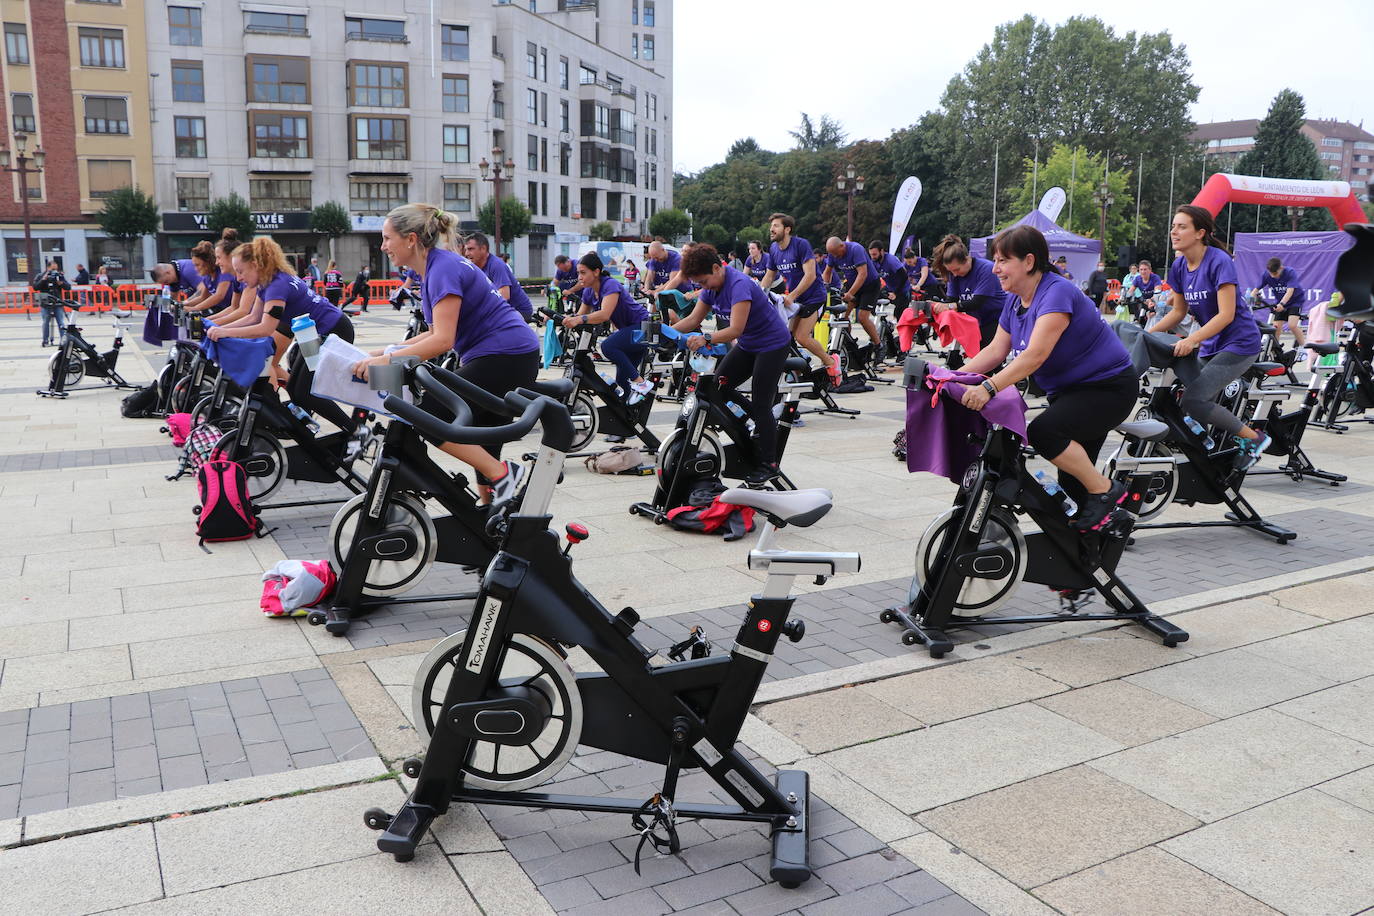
{"x":1281,"y":151}
{"x":515,"y":218}
{"x":717,"y":236}
{"x":233,"y":212}
{"x":670,"y":224}
{"x":824,"y":134}
{"x":601,"y":232}
{"x":743,"y":148}
{"x":330,"y":219}
{"x":128,"y":215}
{"x":872,"y":205}
{"x":1081,"y":178}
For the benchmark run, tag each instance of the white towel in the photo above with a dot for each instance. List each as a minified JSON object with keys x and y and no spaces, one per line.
{"x":334,"y":378}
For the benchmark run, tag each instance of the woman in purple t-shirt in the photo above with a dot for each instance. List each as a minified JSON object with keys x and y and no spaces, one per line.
{"x":603,"y":300}
{"x":1202,"y":280}
{"x":1056,"y":336}
{"x":497,"y":351}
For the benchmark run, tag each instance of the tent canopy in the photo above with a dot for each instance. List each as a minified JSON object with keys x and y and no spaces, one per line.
{"x":1081,"y":253}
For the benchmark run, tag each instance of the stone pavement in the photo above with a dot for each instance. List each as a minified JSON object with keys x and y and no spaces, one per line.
{"x":153,"y":724}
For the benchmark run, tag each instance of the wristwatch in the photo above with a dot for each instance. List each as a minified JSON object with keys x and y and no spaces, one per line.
{"x":989,"y":387}
{"x":706,"y":335}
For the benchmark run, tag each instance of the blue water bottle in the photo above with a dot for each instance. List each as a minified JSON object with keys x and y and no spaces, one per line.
{"x":307,"y":340}
{"x":1198,"y":431}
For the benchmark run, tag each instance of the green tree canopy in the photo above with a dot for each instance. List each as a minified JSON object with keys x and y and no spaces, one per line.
{"x":671,"y":223}
{"x":1081,"y":179}
{"x":231,"y":212}
{"x":827,"y":133}
{"x":127,"y":215}
{"x":1281,"y":151}
{"x":718,"y":236}
{"x":515,"y":218}
{"x":330,"y":219}
{"x":601,"y":232}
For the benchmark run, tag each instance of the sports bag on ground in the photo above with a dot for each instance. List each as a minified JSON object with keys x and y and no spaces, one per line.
{"x":621,"y":458}
{"x":139,"y":404}
{"x":226,"y":511}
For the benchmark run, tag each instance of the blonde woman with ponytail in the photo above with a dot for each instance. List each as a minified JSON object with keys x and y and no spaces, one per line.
{"x":497,"y":351}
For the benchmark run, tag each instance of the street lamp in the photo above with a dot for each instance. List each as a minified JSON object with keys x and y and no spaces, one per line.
{"x":24,"y":169}
{"x":849,"y":185}
{"x":1104,"y":199}
{"x":496,"y":179}
{"x":1294,"y":214}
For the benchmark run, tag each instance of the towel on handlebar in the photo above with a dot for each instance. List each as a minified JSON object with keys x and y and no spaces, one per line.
{"x":1156,"y":349}
{"x":552,"y":348}
{"x":950,"y":326}
{"x":240,"y":358}
{"x":945,"y":437}
{"x":334,"y":378}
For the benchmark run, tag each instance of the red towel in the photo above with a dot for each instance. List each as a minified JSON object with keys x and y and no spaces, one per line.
{"x":950,"y":326}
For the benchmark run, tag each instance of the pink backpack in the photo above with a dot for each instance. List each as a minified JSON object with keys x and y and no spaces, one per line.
{"x":179,"y":428}
{"x":226,"y":511}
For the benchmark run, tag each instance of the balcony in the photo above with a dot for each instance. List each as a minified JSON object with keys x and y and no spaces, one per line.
{"x":570,"y":6}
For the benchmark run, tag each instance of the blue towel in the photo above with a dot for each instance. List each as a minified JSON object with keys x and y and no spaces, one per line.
{"x":240,"y":357}
{"x":552,"y":348}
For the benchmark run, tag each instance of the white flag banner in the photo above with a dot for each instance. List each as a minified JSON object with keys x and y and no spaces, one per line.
{"x":1052,"y":203}
{"x":901,"y":211}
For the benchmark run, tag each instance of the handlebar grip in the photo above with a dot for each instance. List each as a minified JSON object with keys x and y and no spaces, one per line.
{"x":458,"y":430}
{"x":480,"y":397}
{"x":462,"y":414}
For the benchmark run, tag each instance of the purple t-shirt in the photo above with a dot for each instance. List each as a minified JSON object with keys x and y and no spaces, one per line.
{"x":299,"y":299}
{"x":628,"y":311}
{"x":487,"y":324}
{"x":662,"y":271}
{"x":500,"y":274}
{"x":1199,"y":290}
{"x":790,"y":263}
{"x":764,"y":328}
{"x":1086,"y":352}
{"x":979,"y":281}
{"x":565,"y":279}
{"x":756,"y":269}
{"x":913,"y":272}
{"x":1279,"y":286}
{"x":891,"y":271}
{"x":854,"y":257}
{"x":1147,"y":287}
{"x":188,"y":278}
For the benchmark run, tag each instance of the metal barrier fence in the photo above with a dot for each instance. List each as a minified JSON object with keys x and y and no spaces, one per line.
{"x":15,"y":300}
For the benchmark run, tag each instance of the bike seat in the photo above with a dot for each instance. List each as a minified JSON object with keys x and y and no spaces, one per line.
{"x":796,"y":364}
{"x":784,"y":507}
{"x":1266,"y":370}
{"x":1267,"y":329}
{"x":1324,"y":349}
{"x":558,"y":388}
{"x":837,"y":309}
{"x":1144,"y":430}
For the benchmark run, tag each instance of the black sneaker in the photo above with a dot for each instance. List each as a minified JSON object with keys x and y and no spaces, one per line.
{"x":763,"y":474}
{"x":1097,"y":508}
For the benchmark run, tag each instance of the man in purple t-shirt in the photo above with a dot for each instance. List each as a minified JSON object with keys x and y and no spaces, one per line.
{"x":852,"y":261}
{"x":477,"y":248}
{"x":1286,"y":292}
{"x":791,"y":257}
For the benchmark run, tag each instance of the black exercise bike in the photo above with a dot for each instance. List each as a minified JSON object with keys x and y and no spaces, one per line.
{"x":76,"y":359}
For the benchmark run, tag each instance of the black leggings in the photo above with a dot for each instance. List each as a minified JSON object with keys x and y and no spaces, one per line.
{"x":1084,"y":414}
{"x":298,"y":387}
{"x":766,"y":370}
{"x":499,"y":374}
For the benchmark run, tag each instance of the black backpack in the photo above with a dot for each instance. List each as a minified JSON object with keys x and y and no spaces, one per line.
{"x":139,"y":404}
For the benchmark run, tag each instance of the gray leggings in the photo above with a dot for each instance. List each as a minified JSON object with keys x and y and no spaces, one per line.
{"x":1199,"y":396}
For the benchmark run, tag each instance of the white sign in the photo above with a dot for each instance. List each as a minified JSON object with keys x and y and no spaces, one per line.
{"x":1052,"y":203}
{"x":367,"y":223}
{"x":902,"y":208}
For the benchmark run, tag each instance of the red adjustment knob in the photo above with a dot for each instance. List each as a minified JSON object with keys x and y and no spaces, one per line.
{"x":577,"y":533}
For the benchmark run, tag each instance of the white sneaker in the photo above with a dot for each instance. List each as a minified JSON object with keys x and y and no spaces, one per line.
{"x":639,"y":390}
{"x":503,"y":490}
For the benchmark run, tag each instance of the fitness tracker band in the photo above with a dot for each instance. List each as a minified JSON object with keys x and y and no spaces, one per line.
{"x":989,"y":387}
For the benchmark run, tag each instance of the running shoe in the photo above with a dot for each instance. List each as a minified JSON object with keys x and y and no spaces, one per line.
{"x":1097,"y":508}
{"x":503,"y":490}
{"x":1249,"y":450}
{"x":639,"y":390}
{"x":763,"y":474}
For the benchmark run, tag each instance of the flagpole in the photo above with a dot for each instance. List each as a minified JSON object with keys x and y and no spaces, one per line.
{"x":1073,"y":180}
{"x":996,"y":152}
{"x":1173,"y":161}
{"x":1257,"y":206}
{"x":1139,"y":184}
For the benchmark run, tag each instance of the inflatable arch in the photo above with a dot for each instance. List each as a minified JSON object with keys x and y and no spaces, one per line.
{"x":1335,"y":196}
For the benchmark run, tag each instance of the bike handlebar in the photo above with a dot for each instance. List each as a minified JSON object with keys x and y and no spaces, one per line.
{"x":460,"y":429}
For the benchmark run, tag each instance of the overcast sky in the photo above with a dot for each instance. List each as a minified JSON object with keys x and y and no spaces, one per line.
{"x":749,"y":67}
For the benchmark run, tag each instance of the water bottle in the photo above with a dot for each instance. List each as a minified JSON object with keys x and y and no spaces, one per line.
{"x":303,"y":416}
{"x":1053,"y":488}
{"x":1198,"y":431}
{"x":166,"y":292}
{"x":735,"y":409}
{"x":307,"y":339}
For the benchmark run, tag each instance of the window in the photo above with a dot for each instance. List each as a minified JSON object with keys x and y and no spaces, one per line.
{"x":564,"y":157}
{"x":586,"y":75}
{"x":498,"y":104}
{"x":279,"y":79}
{"x":378,"y":85}
{"x":454,"y":42}
{"x":108,"y":175}
{"x":1329,"y":156}
{"x":1330,"y":141}
{"x":188,"y":81}
{"x":456,"y":145}
{"x":1363,"y":144}
{"x":649,"y":14}
{"x":589,"y":203}
{"x":563,"y":200}
{"x":21,"y":106}
{"x":101,"y":48}
{"x":648,"y":47}
{"x":632,"y":207}
{"x":543,"y":109}
{"x":190,"y":137}
{"x":531,"y":60}
{"x":634,"y":12}
{"x":563,"y":115}
{"x":279,"y":193}
{"x":532,"y":153}
{"x":380,"y":138}
{"x":532,"y":195}
{"x":532,"y":106}
{"x":106,"y":115}
{"x":544,"y":198}
{"x":183,"y":25}
{"x":562,"y":73}
{"x":651,"y":106}
{"x":374,"y":29}
{"x":276,"y":23}
{"x":456,"y":93}
{"x":193,"y":194}
{"x":543,"y":65}
{"x":377,"y":198}
{"x":17,"y":43}
{"x":458,"y":196}
{"x":634,"y":46}
{"x":279,"y":135}
{"x":653,"y":178}
{"x":623,"y":128}
{"x":543,"y":155}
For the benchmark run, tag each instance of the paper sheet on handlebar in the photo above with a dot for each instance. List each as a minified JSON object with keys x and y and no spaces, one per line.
{"x":943,"y":436}
{"x":334,"y":378}
{"x":950,"y":326}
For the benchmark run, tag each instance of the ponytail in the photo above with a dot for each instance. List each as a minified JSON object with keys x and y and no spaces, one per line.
{"x":1203,"y":219}
{"x":950,"y":249}
{"x":433,"y":227}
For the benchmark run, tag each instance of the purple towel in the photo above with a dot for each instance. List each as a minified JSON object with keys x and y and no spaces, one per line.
{"x":945,"y":437}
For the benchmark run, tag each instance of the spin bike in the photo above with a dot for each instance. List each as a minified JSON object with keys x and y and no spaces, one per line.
{"x":693,"y":450}
{"x":613,"y":416}
{"x":1349,"y":389}
{"x":1262,"y":408}
{"x":1198,"y":470}
{"x":505,"y":711}
{"x":76,"y":358}
{"x":383,"y":541}
{"x":845,"y":349}
{"x":971,"y":558}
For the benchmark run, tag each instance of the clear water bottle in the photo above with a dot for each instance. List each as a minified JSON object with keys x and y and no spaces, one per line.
{"x":303,"y":415}
{"x":1053,"y":488}
{"x":1198,"y":431}
{"x":307,"y":339}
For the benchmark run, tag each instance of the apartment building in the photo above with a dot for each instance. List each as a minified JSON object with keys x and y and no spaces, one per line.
{"x":73,"y":83}
{"x":1346,"y":149}
{"x":373,"y":104}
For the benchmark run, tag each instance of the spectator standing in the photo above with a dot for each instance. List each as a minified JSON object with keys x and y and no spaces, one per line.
{"x":49,"y":285}
{"x":333,"y":282}
{"x":359,"y":290}
{"x":1097,"y":284}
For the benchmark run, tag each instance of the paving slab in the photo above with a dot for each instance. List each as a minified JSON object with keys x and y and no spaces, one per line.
{"x":835,"y":719}
{"x":1332,"y":599}
{"x":82,"y":874}
{"x":1150,"y":882}
{"x":1229,"y":683}
{"x":1096,"y":657}
{"x":1124,"y":712}
{"x":1238,"y":623}
{"x":954,"y":691}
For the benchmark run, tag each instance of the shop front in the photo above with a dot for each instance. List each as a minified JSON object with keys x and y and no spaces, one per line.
{"x":290,"y":229}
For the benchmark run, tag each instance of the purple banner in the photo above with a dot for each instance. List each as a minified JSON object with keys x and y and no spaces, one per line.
{"x":1312,"y":255}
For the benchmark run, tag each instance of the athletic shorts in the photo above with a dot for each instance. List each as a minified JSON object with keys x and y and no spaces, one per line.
{"x":867,"y":298}
{"x":806,"y":311}
{"x":1292,"y":310}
